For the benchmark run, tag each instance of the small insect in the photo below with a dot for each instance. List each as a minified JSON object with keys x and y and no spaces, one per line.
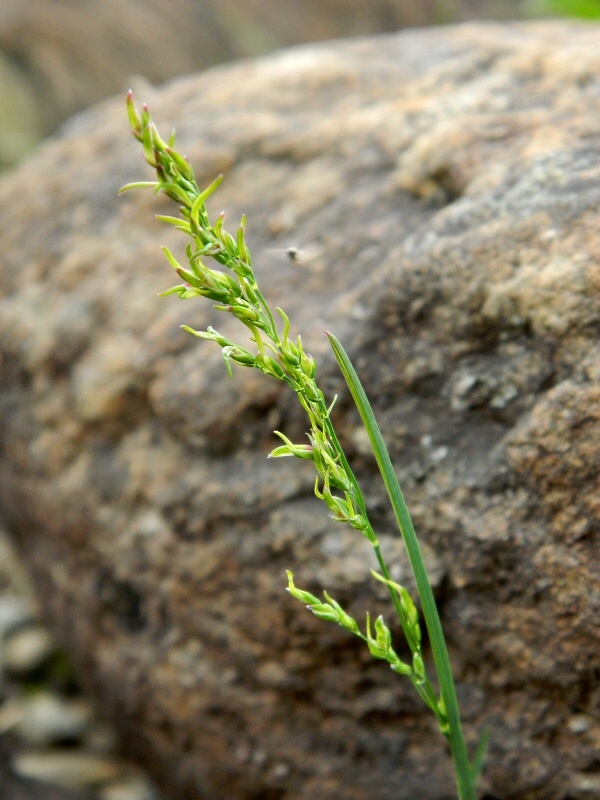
{"x":308,"y":257}
{"x":295,"y":254}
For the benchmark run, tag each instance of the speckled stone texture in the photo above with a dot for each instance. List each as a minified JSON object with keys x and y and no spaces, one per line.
{"x":444,"y":188}
{"x":67,"y":54}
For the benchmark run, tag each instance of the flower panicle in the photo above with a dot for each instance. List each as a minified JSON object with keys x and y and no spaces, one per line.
{"x":233,"y":288}
{"x":237,"y":292}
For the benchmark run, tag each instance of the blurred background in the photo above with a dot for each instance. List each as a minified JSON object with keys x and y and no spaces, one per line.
{"x":59,"y":56}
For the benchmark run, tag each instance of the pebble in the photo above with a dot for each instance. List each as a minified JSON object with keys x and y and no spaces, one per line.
{"x":11,"y":714}
{"x":53,"y":735}
{"x":49,"y":719}
{"x":68,"y":769}
{"x":586,"y":786}
{"x":580,"y":724}
{"x":135,"y":788}
{"x":27,"y":649}
{"x":15,"y":612}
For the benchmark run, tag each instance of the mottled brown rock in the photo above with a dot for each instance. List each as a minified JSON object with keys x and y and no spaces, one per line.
{"x":59,"y":56}
{"x":71,"y":53}
{"x":444,"y":188}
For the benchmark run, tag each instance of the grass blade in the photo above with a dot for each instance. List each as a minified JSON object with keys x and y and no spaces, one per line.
{"x":464,"y":771}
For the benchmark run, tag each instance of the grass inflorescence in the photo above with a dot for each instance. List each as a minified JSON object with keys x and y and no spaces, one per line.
{"x":272,"y":350}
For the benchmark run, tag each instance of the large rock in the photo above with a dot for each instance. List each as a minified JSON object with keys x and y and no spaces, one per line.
{"x":444,"y":187}
{"x":59,"y":56}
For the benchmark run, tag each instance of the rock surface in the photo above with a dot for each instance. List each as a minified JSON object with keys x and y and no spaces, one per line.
{"x":71,"y":63}
{"x":59,"y":56}
{"x":444,"y":190}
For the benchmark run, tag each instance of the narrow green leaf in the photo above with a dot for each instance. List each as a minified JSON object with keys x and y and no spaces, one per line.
{"x":211,"y":188}
{"x":175,"y":192}
{"x":456,"y":739}
{"x":179,"y":289}
{"x":171,"y":258}
{"x":182,"y":163}
{"x":300,"y":594}
{"x":134,"y":118}
{"x":137,"y":185}
{"x":177,"y":222}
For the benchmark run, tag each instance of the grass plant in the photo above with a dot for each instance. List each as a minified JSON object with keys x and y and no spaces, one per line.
{"x":272,"y":350}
